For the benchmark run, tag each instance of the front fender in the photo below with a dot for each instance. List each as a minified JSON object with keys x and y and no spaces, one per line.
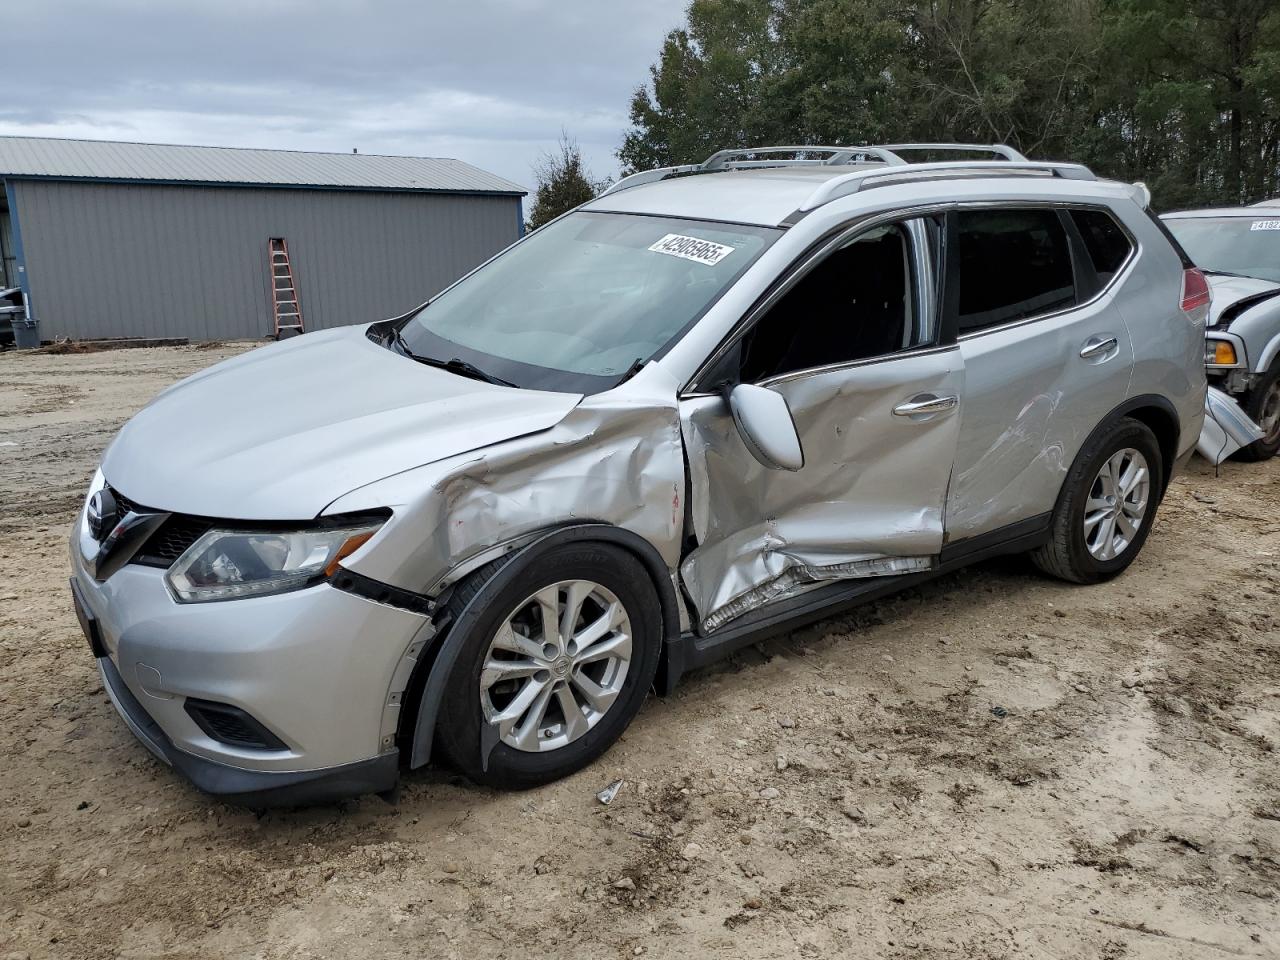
{"x":1268,"y":355}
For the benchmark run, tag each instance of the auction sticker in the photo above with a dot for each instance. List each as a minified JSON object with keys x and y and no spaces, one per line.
{"x":692,"y":248}
{"x":1257,"y":225}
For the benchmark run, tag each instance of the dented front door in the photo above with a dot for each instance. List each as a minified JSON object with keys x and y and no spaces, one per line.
{"x":879,"y":438}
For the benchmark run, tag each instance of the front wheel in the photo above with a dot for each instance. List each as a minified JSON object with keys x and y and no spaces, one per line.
{"x":554,"y":669}
{"x":1263,"y":407}
{"x":1107,"y":505}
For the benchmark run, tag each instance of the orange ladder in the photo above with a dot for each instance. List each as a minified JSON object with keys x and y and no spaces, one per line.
{"x":284,"y":291}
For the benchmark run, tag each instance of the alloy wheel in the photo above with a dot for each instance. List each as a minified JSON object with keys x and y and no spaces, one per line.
{"x":1117,"y":504}
{"x":556,"y":665}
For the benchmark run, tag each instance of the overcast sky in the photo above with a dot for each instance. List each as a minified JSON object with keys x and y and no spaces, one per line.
{"x":491,"y":82}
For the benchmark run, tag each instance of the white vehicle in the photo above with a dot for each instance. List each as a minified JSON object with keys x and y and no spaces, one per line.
{"x":715,"y":403}
{"x":1238,"y":249}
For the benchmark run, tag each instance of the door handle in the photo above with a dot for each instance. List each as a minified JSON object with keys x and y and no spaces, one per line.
{"x":924,"y":405}
{"x":1097,"y":346}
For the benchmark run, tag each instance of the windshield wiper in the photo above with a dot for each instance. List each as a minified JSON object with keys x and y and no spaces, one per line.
{"x":453,"y":365}
{"x":1227,"y":273}
{"x":632,"y":370}
{"x":398,"y":339}
{"x":460,"y":366}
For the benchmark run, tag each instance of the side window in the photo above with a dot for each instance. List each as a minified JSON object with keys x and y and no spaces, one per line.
{"x":1107,"y":244}
{"x":859,"y":302}
{"x":1013,"y":263}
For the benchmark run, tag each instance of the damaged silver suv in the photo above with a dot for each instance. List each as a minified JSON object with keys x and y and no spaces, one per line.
{"x":714,"y":403}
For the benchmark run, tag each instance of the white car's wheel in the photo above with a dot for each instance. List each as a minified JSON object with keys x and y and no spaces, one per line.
{"x":554,"y":669}
{"x":1107,"y":505}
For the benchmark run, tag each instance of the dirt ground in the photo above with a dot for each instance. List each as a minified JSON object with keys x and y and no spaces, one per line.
{"x":994,"y":766}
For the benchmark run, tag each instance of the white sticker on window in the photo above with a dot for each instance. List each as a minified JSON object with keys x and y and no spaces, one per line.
{"x":1265,"y":225}
{"x":692,"y":248}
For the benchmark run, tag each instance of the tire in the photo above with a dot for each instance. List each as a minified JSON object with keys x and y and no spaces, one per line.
{"x":1068,"y":554}
{"x":1263,"y":404}
{"x":463,"y":729}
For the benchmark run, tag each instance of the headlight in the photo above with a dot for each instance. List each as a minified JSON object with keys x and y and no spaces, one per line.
{"x":1219,"y":353}
{"x":226,"y":564}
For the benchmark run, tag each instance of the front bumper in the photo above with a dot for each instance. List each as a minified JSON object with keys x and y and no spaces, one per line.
{"x":254,"y":788}
{"x":318,"y":668}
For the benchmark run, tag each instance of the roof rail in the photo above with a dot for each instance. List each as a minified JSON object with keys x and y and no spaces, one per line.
{"x":885,"y":156}
{"x":736,"y":159}
{"x":852,"y":182}
{"x":999,"y":149}
{"x":727,"y":159}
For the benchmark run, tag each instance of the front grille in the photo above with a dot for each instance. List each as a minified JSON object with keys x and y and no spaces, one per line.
{"x":172,"y":540}
{"x":231,"y":725}
{"x":124,"y":504}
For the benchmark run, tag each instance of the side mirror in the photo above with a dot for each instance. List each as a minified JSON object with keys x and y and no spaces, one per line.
{"x":764,"y":421}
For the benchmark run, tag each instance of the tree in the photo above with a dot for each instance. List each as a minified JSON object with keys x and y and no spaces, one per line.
{"x":1184,"y":94}
{"x":711,"y":87}
{"x":563,"y":182}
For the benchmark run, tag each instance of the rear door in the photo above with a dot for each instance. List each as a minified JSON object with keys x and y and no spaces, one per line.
{"x":852,"y":342}
{"x":1046,"y":353}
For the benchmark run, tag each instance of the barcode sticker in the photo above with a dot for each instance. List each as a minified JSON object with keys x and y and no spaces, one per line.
{"x":692,"y":248}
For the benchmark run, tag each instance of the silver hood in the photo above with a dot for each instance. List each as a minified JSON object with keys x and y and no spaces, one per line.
{"x":281,"y":432}
{"x":1228,"y":291}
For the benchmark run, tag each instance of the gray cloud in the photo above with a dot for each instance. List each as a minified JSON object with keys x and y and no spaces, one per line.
{"x":487,"y":81}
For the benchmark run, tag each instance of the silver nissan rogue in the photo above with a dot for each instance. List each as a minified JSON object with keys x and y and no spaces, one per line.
{"x":716,"y":402}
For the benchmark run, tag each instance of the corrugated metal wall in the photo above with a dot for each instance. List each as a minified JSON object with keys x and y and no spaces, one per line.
{"x":124,"y":260}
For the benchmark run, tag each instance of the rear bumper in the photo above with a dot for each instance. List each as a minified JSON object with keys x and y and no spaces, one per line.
{"x":252,"y":788}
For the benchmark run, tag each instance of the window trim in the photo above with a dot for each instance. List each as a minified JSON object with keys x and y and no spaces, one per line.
{"x":928,"y":284}
{"x":1061,"y":207}
{"x":925,"y":349}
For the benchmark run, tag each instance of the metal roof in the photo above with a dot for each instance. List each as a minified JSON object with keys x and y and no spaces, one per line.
{"x":110,"y":160}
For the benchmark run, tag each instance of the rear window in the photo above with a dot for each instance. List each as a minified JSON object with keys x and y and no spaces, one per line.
{"x":1108,"y":245}
{"x":1014,"y":264}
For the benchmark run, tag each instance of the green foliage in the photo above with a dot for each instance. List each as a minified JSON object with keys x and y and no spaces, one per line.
{"x":563,"y":182}
{"x":1184,"y":94}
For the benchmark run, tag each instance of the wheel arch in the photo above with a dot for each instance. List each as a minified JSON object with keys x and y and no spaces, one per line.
{"x":1269,"y":355}
{"x":1160,"y":416}
{"x":426,"y":686}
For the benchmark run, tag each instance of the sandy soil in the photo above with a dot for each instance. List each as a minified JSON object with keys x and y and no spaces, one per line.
{"x":995,"y":766}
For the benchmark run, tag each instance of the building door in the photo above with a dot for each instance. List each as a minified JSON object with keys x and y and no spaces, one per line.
{"x":8,"y":260}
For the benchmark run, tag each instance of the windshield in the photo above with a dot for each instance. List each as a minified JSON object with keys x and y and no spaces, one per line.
{"x":578,"y":303}
{"x":1249,"y":246}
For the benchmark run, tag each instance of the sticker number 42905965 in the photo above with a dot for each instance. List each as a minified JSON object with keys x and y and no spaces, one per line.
{"x":1265,"y":225}
{"x":692,"y":248}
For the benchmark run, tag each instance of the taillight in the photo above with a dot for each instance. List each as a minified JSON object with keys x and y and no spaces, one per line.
{"x":1195,"y":290}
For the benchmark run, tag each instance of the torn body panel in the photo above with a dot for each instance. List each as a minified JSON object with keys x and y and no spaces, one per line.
{"x":1226,"y":428}
{"x":868,"y":501}
{"x":615,"y":458}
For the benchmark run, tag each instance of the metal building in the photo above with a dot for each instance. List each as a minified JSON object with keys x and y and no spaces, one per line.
{"x":145,"y":240}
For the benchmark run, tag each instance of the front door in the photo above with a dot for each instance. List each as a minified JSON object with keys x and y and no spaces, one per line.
{"x":852,"y":344}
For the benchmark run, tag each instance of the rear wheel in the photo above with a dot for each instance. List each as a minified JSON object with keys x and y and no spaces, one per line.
{"x":555,"y":668}
{"x":1263,"y":407}
{"x":1106,"y":507}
